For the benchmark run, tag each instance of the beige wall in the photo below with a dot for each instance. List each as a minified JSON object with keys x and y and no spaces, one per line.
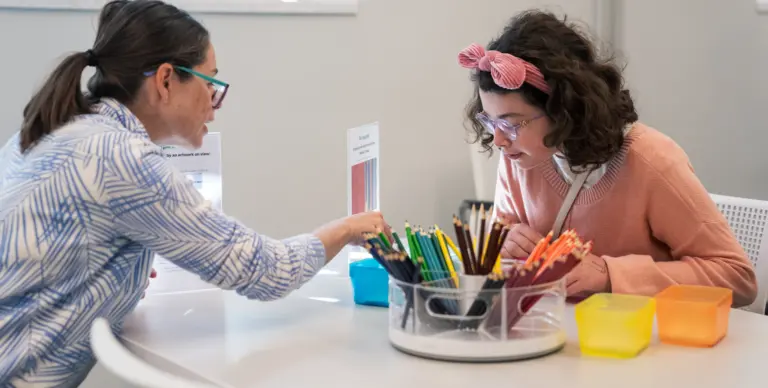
{"x":298,"y":82}
{"x":696,"y":68}
{"x":699,"y":72}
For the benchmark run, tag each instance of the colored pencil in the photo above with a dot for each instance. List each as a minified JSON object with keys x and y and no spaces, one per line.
{"x":463,"y":245}
{"x":425,"y":273}
{"x":399,"y":243}
{"x":384,"y":240}
{"x":504,"y":233}
{"x":472,"y":258}
{"x":493,"y":282}
{"x":491,"y":253}
{"x":409,"y":298}
{"x":481,"y":237}
{"x":451,"y":245}
{"x":472,"y":225}
{"x":446,"y":256}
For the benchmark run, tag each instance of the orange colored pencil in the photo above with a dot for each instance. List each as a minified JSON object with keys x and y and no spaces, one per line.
{"x":560,"y":240}
{"x":539,"y":249}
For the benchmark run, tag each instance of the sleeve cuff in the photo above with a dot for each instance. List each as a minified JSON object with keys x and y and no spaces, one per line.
{"x":635,"y":274}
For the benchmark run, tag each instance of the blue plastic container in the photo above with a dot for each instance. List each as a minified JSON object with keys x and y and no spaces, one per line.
{"x":370,"y":283}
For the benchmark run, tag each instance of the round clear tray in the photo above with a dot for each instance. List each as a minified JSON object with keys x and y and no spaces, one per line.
{"x":470,"y":324}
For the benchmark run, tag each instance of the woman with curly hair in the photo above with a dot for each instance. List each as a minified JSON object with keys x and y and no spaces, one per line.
{"x":575,"y":156}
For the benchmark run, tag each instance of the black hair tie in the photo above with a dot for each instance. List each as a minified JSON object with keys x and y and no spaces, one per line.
{"x":91,"y":58}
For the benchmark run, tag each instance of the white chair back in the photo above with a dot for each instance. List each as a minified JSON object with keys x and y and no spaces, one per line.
{"x":125,"y":365}
{"x":748,"y":219}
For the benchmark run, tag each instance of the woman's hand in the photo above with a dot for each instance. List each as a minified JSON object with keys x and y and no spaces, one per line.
{"x":350,"y":230}
{"x":589,"y":277}
{"x":362,"y":223}
{"x":520,"y":242}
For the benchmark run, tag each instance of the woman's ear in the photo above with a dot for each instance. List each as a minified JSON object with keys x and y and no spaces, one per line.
{"x":162,"y":81}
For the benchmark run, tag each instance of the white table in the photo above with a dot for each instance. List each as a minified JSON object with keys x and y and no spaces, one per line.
{"x":318,"y":337}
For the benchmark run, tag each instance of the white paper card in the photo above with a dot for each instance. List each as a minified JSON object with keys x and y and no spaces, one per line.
{"x":362,"y":174}
{"x":203,"y":167}
{"x":363,"y":169}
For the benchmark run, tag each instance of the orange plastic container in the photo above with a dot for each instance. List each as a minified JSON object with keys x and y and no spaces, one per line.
{"x":693,"y":315}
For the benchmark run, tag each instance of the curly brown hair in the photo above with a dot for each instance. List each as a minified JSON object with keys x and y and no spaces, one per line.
{"x":588,"y":105}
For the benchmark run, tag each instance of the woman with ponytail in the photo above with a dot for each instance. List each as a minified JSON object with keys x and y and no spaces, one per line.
{"x":87,"y":197}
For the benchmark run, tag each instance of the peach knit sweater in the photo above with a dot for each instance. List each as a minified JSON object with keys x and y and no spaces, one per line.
{"x":649,"y":216}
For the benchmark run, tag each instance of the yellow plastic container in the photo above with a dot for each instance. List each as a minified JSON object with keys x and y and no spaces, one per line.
{"x":615,"y":325}
{"x":693,"y":315}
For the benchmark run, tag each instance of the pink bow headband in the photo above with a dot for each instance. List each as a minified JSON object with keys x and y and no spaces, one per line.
{"x":508,"y":71}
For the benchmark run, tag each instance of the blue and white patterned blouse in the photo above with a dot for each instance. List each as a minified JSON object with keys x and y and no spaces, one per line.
{"x":82,"y":215}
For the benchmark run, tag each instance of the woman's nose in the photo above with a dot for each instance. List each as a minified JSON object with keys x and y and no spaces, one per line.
{"x":500,"y":138}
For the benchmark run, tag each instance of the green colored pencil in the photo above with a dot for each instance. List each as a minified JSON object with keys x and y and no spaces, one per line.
{"x":416,"y":252}
{"x":398,"y":242}
{"x":429,"y":255}
{"x":409,"y":236}
{"x":413,"y":252}
{"x":385,"y":240}
{"x":425,"y":254}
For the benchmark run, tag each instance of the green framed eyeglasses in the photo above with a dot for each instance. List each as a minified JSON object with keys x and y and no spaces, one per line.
{"x":220,"y":88}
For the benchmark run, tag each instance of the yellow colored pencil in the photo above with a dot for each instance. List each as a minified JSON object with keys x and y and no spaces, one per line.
{"x":452,"y":245}
{"x":447,"y":257}
{"x":497,"y":266}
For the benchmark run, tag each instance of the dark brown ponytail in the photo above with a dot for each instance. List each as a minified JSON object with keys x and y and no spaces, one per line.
{"x":58,"y":101}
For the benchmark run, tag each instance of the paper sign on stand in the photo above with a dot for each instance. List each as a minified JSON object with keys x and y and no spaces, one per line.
{"x":362,"y":174}
{"x":203,"y":167}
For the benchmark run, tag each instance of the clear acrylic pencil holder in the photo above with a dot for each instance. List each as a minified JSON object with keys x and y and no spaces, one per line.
{"x":463,"y":322}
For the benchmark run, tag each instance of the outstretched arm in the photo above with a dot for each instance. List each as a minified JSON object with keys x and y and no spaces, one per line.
{"x":154,"y":204}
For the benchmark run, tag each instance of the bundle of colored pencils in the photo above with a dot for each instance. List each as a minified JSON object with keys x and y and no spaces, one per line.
{"x":481,"y":254}
{"x":396,"y":262}
{"x":431,"y":249}
{"x":550,"y":261}
{"x":427,"y":261}
{"x":476,"y":220}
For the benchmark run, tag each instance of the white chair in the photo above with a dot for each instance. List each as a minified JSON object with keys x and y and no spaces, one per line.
{"x":125,"y":365}
{"x":748,"y":219}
